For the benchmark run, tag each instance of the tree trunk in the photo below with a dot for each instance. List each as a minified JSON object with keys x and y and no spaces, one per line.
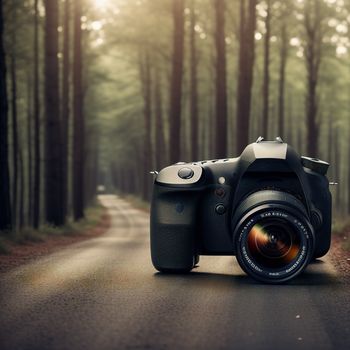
{"x":282,"y":78}
{"x":289,"y":118}
{"x":337,"y":164}
{"x":145,"y":73}
{"x":176,"y":80}
{"x":311,"y":113}
{"x":347,"y":167}
{"x":13,"y":74}
{"x":160,"y":139}
{"x":30,"y":151}
{"x":36,"y":113}
{"x":245,"y":71}
{"x":5,"y":203}
{"x":221,"y":93}
{"x":330,"y":147}
{"x":21,"y":189}
{"x":95,"y":167}
{"x":53,"y":143}
{"x":210,"y":125}
{"x":266,"y":82}
{"x":313,"y":60}
{"x":65,"y":104}
{"x":91,"y":164}
{"x":193,"y":86}
{"x":78,"y":123}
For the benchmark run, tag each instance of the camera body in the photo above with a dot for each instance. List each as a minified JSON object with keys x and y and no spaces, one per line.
{"x":269,"y":207}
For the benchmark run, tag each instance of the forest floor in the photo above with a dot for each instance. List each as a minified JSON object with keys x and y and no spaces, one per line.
{"x":340,"y":248}
{"x":340,"y":252}
{"x":20,"y":251}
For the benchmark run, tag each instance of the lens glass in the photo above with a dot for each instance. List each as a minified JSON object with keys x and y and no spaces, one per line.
{"x":273,"y":243}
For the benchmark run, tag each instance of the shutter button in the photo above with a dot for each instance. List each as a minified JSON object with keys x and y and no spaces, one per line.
{"x":185,"y":173}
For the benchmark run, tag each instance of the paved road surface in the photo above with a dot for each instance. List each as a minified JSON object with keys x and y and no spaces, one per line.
{"x":104,"y":294}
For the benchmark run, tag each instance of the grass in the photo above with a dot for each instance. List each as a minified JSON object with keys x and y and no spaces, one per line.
{"x":27,"y":234}
{"x":346,"y":245}
{"x":92,"y":218}
{"x":4,"y":249}
{"x":341,"y":227}
{"x":137,"y":202}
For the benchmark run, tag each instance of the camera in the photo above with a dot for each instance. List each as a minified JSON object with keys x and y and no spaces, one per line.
{"x":269,"y":207}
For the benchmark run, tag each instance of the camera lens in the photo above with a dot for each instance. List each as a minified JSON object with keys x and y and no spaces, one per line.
{"x":273,"y":243}
{"x":274,"y":240}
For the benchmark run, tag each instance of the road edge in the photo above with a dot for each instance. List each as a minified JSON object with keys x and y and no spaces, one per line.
{"x":21,"y":254}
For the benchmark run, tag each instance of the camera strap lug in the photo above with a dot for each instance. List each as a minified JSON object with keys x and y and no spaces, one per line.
{"x":279,"y":139}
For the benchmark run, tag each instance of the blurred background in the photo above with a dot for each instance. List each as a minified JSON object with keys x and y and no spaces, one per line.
{"x":97,"y":93}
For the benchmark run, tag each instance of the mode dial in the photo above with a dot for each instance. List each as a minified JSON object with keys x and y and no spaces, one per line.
{"x":314,"y":164}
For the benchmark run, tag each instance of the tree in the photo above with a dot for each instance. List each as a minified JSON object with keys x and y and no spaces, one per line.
{"x":176,"y":79}
{"x":37,"y":129}
{"x":5,"y":204}
{"x":221,"y":93}
{"x":78,"y":122}
{"x":313,"y":54}
{"x":30,"y":149}
{"x":65,"y":103}
{"x":160,"y":145}
{"x":193,"y":84}
{"x":53,"y":143}
{"x":15,"y":151}
{"x":146,"y":83}
{"x":348,"y":180}
{"x":266,"y":82}
{"x":21,"y":188}
{"x":245,"y":71}
{"x":282,"y":70}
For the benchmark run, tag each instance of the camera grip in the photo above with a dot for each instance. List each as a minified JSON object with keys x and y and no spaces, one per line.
{"x":173,"y":248}
{"x":173,"y":230}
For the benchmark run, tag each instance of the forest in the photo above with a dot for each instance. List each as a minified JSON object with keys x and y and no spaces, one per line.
{"x":98,"y":93}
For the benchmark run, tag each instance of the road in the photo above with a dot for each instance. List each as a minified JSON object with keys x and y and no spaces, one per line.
{"x":104,"y":294}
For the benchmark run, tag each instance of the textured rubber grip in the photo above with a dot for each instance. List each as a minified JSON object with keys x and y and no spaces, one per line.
{"x":173,"y":229}
{"x":172,"y":247}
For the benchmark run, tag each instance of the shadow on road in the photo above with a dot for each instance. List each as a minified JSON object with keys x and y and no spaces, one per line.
{"x":202,"y":279}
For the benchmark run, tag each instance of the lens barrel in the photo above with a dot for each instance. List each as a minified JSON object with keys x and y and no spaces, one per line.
{"x":273,"y":237}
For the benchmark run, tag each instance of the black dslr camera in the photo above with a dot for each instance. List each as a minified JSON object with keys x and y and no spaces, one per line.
{"x":269,"y":207}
